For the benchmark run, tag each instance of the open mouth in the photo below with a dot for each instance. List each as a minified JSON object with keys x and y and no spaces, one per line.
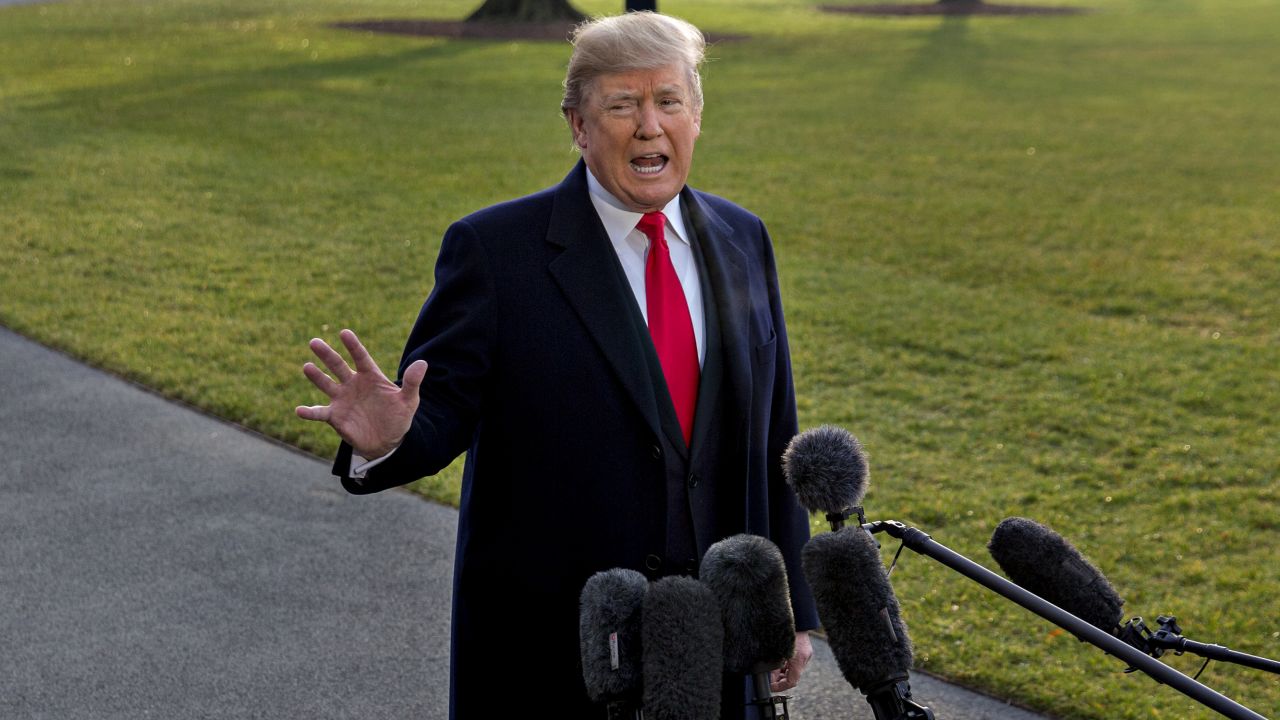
{"x":650,"y":164}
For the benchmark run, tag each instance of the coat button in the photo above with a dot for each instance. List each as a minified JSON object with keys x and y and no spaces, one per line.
{"x":652,"y":562}
{"x":694,"y":480}
{"x":656,"y":452}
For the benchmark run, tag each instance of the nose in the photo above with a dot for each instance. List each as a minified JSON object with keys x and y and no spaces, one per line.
{"x":649,"y":123}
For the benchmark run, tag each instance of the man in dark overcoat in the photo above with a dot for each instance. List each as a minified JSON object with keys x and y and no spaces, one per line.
{"x":611,"y":355}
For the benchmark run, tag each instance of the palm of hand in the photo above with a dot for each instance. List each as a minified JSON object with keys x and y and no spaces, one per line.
{"x":368,"y":409}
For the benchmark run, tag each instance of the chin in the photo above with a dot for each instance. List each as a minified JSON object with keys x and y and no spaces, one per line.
{"x":654,"y":198}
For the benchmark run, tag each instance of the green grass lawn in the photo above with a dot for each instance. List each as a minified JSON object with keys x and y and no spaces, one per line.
{"x":1033,"y":263}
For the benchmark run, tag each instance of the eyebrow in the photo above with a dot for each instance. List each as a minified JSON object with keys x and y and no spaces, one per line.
{"x":622,"y":95}
{"x":661,"y":90}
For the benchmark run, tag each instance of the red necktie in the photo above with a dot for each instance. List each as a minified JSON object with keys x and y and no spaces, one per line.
{"x":669,"y":323}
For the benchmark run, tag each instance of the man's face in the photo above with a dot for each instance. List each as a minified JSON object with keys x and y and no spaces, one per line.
{"x":636,"y":132}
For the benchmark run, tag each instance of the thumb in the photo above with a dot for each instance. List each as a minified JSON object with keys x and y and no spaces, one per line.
{"x":413,"y":376}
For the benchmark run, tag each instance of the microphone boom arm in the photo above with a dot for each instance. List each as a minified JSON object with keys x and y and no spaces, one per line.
{"x":1224,"y":654}
{"x":1169,"y":637}
{"x":920,"y":542}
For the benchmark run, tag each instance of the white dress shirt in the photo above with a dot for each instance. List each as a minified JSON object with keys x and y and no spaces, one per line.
{"x":632,"y":247}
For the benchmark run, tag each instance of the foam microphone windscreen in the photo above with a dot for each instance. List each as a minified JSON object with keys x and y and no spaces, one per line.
{"x":683,"y":641}
{"x":1043,"y":562}
{"x":857,"y":607}
{"x":609,"y":633}
{"x":749,"y":579}
{"x":827,"y":469}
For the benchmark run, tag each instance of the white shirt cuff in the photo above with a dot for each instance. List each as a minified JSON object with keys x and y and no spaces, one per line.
{"x":360,"y":466}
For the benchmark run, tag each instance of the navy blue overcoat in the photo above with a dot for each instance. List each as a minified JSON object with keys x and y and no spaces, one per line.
{"x":541,"y":370}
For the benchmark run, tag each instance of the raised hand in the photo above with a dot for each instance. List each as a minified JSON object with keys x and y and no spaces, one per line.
{"x":368,"y":411}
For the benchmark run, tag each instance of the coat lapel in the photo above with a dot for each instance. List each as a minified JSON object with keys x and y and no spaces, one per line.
{"x":724,"y":398}
{"x":725,"y":266}
{"x":591,"y":279}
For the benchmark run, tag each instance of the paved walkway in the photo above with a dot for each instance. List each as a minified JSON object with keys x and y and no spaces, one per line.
{"x":155,"y":562}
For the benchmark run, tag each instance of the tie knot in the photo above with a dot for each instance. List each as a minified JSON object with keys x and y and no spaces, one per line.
{"x":652,"y":225}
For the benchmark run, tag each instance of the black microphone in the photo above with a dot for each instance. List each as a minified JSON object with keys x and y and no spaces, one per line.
{"x":683,"y":642}
{"x":861,"y":616}
{"x":609,"y":633}
{"x":827,"y":469}
{"x":748,"y":577}
{"x":1043,"y":562}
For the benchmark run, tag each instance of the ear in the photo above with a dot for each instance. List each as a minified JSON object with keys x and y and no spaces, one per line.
{"x":697,"y":123}
{"x":577,"y":125}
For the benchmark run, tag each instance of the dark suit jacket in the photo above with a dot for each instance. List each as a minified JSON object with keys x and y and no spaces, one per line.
{"x":541,"y":369}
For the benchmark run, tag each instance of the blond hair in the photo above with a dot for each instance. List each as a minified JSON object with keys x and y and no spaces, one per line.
{"x":634,"y":41}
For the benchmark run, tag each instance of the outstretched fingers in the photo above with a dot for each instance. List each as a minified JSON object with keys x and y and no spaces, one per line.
{"x":359,"y":355}
{"x":366,"y":409}
{"x":317,"y":377}
{"x":313,"y":412}
{"x":331,"y":360}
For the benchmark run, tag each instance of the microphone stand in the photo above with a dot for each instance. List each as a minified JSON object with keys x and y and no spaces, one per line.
{"x":772,"y":707}
{"x":922,"y":543}
{"x":892,"y":701}
{"x":1169,"y":637}
{"x":624,"y":710}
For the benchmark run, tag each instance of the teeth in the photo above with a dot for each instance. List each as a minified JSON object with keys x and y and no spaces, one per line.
{"x":646,"y":169}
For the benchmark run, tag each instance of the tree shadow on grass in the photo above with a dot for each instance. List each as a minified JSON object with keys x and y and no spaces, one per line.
{"x":470,"y":30}
{"x":551,"y":31}
{"x":948,"y":53}
{"x":151,"y":100}
{"x":953,"y":8}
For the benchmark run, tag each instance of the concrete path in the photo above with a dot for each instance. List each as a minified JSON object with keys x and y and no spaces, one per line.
{"x":158,"y":563}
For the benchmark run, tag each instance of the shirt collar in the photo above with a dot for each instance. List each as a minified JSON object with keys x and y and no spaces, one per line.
{"x":618,"y":221}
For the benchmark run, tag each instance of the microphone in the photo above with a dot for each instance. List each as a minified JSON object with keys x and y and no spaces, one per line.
{"x":609,"y":633}
{"x":827,"y":469}
{"x":748,"y":577}
{"x":864,"y":626}
{"x":1043,"y":562}
{"x":683,"y":639}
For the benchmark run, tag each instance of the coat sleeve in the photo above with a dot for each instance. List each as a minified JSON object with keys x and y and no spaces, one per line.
{"x":788,"y":521}
{"x":455,"y":334}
